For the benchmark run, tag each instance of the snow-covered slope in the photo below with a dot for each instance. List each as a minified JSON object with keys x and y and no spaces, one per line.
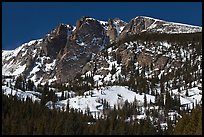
{"x":115,"y":95}
{"x":21,"y":95}
{"x":93,"y":101}
{"x":171,"y":27}
{"x":147,"y":24}
{"x":13,"y":61}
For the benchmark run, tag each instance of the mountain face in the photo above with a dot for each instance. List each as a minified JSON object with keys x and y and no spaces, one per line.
{"x":104,"y":50}
{"x":147,"y":69}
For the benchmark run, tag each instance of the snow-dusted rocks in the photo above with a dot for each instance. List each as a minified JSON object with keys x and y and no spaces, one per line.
{"x":64,"y":52}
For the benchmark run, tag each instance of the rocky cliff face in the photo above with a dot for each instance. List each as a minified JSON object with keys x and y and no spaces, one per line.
{"x":61,"y":54}
{"x":150,"y":59}
{"x":115,"y":27}
{"x":56,"y":40}
{"x":71,"y":50}
{"x":87,"y":39}
{"x":112,"y":32}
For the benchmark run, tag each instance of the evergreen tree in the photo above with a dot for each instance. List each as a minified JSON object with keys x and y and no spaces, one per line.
{"x":30,"y":85}
{"x":187,"y":93}
{"x":145,"y":100}
{"x":19,"y":84}
{"x":113,"y":70}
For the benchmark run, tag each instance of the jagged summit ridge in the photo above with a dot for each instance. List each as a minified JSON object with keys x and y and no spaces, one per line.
{"x":65,"y":51}
{"x":142,"y":23}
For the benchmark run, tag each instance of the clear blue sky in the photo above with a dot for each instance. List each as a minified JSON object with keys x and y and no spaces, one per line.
{"x":25,"y":21}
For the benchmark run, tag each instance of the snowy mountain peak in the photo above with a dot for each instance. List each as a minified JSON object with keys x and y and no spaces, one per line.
{"x":160,"y":20}
{"x":149,"y":24}
{"x":71,"y":47}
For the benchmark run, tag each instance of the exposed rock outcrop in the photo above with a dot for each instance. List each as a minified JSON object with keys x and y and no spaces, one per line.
{"x":53,"y":43}
{"x":112,"y":32}
{"x":66,"y":50}
{"x":144,"y":59}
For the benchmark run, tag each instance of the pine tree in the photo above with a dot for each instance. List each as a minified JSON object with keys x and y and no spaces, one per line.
{"x":187,"y":93}
{"x":145,"y":101}
{"x":113,"y":70}
{"x":19,"y":84}
{"x":30,"y":85}
{"x":62,"y":96}
{"x":190,"y":124}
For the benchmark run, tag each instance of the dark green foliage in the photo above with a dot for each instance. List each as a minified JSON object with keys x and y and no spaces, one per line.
{"x":113,"y":70}
{"x":47,"y":95}
{"x":187,"y":93}
{"x":20,"y":83}
{"x":162,"y":37}
{"x":190,"y":124}
{"x":145,"y":100}
{"x":30,"y":85}
{"x":28,"y":118}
